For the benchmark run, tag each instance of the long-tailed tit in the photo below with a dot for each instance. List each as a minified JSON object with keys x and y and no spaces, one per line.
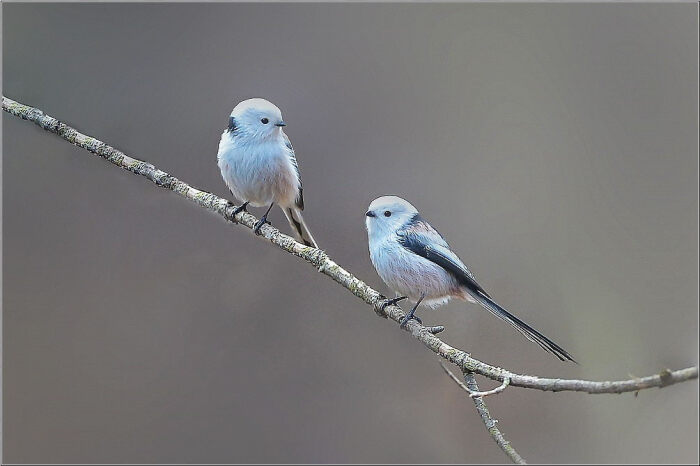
{"x":414,"y":260}
{"x":258,"y":164}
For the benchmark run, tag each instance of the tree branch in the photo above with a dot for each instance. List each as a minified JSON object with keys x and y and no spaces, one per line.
{"x":490,"y":422}
{"x":472,"y":389}
{"x":477,"y":393}
{"x":325,"y":265}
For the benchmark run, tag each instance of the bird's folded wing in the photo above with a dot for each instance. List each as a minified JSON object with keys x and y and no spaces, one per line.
{"x":293,"y":158}
{"x":425,"y":241}
{"x":430,"y":245}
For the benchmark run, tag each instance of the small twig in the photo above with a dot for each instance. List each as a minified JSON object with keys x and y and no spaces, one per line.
{"x":435,"y":329}
{"x":472,"y":389}
{"x":454,"y":377}
{"x":475,"y":394}
{"x":498,"y":389}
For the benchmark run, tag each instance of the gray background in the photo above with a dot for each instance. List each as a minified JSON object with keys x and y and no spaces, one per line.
{"x":555,"y":146}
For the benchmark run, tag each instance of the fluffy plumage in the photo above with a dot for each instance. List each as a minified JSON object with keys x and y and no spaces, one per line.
{"x":258,"y":163}
{"x":414,"y":260}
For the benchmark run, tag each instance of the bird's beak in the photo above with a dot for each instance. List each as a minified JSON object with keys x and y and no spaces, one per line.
{"x":369,"y":213}
{"x":281,"y":123}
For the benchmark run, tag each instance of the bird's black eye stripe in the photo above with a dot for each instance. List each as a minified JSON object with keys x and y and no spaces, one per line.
{"x":387,"y":213}
{"x":232,"y":124}
{"x":264,"y":121}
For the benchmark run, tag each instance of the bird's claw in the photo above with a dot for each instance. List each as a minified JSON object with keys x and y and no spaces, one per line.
{"x":383,"y":303}
{"x":410,"y":316}
{"x":259,"y":225}
{"x":238,"y":210}
{"x":262,"y":221}
{"x":241,"y":208}
{"x":411,"y":313}
{"x":390,"y":302}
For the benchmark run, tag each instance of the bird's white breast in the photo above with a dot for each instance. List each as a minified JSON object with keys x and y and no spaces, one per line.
{"x":411,"y":275}
{"x":260,"y":172}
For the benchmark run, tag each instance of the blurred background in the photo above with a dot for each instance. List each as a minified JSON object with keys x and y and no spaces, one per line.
{"x":554,"y":145}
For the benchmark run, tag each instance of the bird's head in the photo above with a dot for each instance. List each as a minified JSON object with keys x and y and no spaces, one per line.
{"x":256,"y":118}
{"x":386,"y":215}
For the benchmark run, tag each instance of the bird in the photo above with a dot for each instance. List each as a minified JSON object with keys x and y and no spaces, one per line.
{"x":259,"y":166}
{"x":415,"y":261}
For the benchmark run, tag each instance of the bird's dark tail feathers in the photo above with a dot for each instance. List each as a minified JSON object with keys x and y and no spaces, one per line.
{"x":301,"y":231}
{"x":529,"y":332}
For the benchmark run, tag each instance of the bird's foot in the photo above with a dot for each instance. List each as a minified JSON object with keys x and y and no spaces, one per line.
{"x":241,"y":208}
{"x":383,"y":303}
{"x":262,"y":221}
{"x":238,"y":210}
{"x":412,"y":312}
{"x":410,"y":316}
{"x":259,"y":225}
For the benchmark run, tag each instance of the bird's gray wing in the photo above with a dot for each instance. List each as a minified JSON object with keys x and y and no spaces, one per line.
{"x":419,"y":237}
{"x":293,"y":158}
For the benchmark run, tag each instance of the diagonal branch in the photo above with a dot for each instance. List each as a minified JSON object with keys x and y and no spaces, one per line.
{"x":472,"y":389}
{"x":490,"y":422}
{"x":325,"y":265}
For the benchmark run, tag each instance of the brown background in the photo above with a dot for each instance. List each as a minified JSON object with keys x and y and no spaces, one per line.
{"x":555,"y":146}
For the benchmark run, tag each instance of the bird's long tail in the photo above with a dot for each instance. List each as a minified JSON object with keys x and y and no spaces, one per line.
{"x":301,"y":231}
{"x":529,"y":332}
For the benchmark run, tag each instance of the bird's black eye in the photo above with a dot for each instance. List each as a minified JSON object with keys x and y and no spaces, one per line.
{"x":387,"y":213}
{"x":264,"y":121}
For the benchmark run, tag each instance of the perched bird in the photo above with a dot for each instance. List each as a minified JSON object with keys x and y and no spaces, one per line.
{"x":414,"y":260}
{"x":258,"y":164}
